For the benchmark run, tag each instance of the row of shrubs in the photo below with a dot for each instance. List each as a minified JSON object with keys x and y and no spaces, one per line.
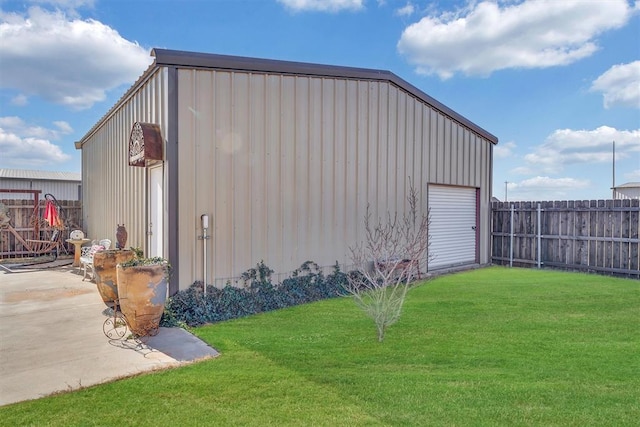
{"x":192,"y":307}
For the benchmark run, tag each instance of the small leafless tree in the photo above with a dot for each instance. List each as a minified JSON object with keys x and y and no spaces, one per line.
{"x":388,"y":261}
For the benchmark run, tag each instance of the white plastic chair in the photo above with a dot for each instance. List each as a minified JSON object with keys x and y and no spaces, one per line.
{"x":86,"y":256}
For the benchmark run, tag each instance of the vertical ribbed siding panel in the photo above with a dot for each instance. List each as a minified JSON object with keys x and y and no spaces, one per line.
{"x":339,"y":187}
{"x":475,"y":177}
{"x":259,"y":166}
{"x":456,"y":159}
{"x":302,"y":119}
{"x":409,"y":147}
{"x":188,"y":112}
{"x":433,"y":146}
{"x":206,"y":184}
{"x":361,"y":145}
{"x":445,"y":143}
{"x":372,"y":144}
{"x":223,"y":209}
{"x":417,"y":169}
{"x":382,"y":171}
{"x":441,"y":147}
{"x":314,"y":173}
{"x":401,"y":147}
{"x":425,"y":159}
{"x":485,"y":203}
{"x":241,"y":179}
{"x":465,"y":157}
{"x":329,"y":165}
{"x":288,"y":185}
{"x":274,"y":167}
{"x":349,"y":188}
{"x":392,"y":149}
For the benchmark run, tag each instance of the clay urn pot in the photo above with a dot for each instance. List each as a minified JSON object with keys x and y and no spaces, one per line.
{"x":142,"y":292}
{"x":104,"y":264}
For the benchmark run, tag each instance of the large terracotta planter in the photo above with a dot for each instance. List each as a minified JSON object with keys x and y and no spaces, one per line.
{"x":104,"y":265}
{"x":142,"y":292}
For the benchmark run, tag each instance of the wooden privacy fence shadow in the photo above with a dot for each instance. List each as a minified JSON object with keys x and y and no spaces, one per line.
{"x":587,"y":235}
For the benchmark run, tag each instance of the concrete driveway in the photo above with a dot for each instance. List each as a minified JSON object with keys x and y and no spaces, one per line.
{"x":51,"y":337}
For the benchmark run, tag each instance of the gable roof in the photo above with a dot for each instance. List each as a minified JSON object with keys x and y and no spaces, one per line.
{"x":628,"y":185}
{"x":186,"y":59}
{"x":40,"y":175}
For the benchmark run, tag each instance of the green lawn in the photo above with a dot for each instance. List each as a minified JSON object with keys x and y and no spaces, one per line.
{"x":489,"y":347}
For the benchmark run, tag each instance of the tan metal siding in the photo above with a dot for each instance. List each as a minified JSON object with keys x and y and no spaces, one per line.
{"x":61,"y":190}
{"x":113,"y":192}
{"x":188,"y":184}
{"x":286,"y":165}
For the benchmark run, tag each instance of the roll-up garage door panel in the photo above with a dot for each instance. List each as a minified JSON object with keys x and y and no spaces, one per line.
{"x":452,"y":228}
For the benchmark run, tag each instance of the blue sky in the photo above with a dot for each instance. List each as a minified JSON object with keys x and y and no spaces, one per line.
{"x":556,"y":81}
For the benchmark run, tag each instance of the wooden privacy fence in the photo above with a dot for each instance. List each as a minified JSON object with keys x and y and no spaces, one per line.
{"x":587,"y":235}
{"x":22,"y":218}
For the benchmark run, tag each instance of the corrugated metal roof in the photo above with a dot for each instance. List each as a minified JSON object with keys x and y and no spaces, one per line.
{"x":176,"y":58}
{"x":43,"y":175}
{"x":628,"y":185}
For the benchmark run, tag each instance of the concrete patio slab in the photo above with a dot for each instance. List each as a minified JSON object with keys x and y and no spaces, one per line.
{"x":51,"y":337}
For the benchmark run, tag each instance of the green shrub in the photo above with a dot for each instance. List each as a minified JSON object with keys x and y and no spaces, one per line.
{"x":192,"y":307}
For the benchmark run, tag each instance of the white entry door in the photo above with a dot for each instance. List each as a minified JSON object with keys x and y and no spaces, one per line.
{"x":155,"y":226}
{"x":453,"y":226}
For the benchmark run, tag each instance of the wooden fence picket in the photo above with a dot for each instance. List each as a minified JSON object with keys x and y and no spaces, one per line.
{"x":21,"y":214}
{"x":589,"y":235}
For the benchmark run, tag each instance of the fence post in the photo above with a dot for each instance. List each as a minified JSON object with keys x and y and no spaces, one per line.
{"x":539,"y":233}
{"x":511,"y":238}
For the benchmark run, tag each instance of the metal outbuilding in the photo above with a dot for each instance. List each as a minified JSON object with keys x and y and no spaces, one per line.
{"x":280,"y":160}
{"x":63,"y":185}
{"x":630,"y":190}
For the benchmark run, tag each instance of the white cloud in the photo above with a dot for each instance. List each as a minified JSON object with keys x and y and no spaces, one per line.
{"x":406,"y":10}
{"x":20,"y":100}
{"x":539,"y":182}
{"x":504,"y":150}
{"x":486,"y":37}
{"x":15,"y":125}
{"x":545,"y":188}
{"x":66,"y":4}
{"x":63,"y":127}
{"x":69,"y":6}
{"x":28,"y":151}
{"x":71,"y":62}
{"x":566,"y":146}
{"x":633,"y":175}
{"x":27,"y":146}
{"x":620,"y":85}
{"x":322,"y":5}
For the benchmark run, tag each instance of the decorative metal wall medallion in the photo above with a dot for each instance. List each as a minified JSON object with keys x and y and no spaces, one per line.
{"x":136,"y":145}
{"x":145,"y":144}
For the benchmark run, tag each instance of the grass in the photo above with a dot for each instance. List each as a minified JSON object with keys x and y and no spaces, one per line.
{"x":488,"y":347}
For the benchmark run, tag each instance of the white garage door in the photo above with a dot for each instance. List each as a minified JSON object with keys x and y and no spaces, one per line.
{"x":453,"y":226}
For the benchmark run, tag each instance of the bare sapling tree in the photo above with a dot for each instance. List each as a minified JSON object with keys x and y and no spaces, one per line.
{"x":388,"y":261}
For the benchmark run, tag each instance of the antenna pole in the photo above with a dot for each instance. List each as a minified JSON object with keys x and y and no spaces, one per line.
{"x":613,"y":187}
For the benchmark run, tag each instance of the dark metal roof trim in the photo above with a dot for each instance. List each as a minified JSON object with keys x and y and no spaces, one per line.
{"x":165,"y":57}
